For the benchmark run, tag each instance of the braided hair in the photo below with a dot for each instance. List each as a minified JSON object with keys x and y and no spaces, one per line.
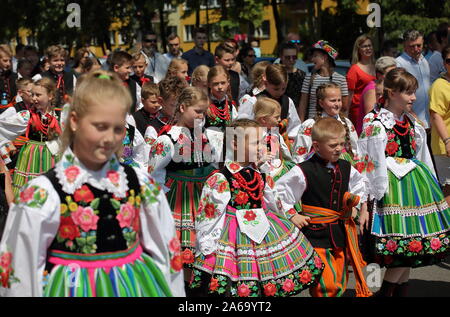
{"x":321,"y":95}
{"x":188,"y":97}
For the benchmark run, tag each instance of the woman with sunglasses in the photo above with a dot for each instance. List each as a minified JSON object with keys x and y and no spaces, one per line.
{"x":247,"y":57}
{"x":288,"y":57}
{"x":440,"y":122}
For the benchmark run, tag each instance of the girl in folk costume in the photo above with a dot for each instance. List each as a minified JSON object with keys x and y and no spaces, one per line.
{"x":275,"y":84}
{"x":40,"y":125}
{"x":106,"y":224}
{"x":178,"y":67}
{"x":246,"y":245}
{"x":180,"y":162}
{"x":410,"y":223}
{"x":329,"y":104}
{"x":222,"y":109}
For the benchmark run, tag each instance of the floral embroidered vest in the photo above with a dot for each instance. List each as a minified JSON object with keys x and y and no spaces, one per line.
{"x":401,"y":139}
{"x":95,"y":221}
{"x":240,"y":197}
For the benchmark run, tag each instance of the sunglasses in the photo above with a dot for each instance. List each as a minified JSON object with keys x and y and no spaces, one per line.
{"x":295,"y":41}
{"x":150,"y":40}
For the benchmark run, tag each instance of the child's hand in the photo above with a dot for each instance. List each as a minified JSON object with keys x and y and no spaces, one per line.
{"x":300,"y":221}
{"x":363,"y":218}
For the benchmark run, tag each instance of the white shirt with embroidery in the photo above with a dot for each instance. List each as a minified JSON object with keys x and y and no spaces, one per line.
{"x":372,"y":144}
{"x":33,"y":222}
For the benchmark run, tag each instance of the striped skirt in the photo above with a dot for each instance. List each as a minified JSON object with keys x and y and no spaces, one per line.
{"x":129,"y":273}
{"x":411,"y":223}
{"x":283,"y":264}
{"x":34,"y":160}
{"x":185,"y":189}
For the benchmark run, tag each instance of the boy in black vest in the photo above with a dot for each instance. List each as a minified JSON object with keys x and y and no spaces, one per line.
{"x":151,"y":101}
{"x":121,"y":63}
{"x":328,"y":188}
{"x":65,"y":80}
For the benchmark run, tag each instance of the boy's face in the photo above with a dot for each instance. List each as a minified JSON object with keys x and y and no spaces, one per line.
{"x":5,"y":62}
{"x":139,"y":67}
{"x":124,"y":71}
{"x":151,"y":104}
{"x":57,"y":64}
{"x":226,"y":61}
{"x":331,"y":149}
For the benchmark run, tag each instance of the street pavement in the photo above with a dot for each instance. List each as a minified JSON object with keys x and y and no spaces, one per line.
{"x":428,"y":281}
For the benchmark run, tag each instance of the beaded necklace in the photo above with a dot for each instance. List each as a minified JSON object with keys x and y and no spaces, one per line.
{"x":252,"y":186}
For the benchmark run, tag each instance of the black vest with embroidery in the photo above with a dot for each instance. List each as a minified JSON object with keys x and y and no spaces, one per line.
{"x":64,"y":87}
{"x":35,"y":135}
{"x":234,"y":83}
{"x":325,"y":188}
{"x":143,"y":120}
{"x":108,"y":236}
{"x":284,"y":102}
{"x":239,"y":196}
{"x":174,"y":165}
{"x":401,"y":140}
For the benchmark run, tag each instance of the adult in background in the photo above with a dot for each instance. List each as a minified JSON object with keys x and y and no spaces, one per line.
{"x":157,"y":63}
{"x":414,"y":62}
{"x":435,"y":61}
{"x":174,"y":49}
{"x":80,"y":58}
{"x":288,"y":58}
{"x":247,"y":57}
{"x":361,"y":73}
{"x":389,"y":48}
{"x":440,"y":118}
{"x":198,"y":55}
{"x":299,"y":63}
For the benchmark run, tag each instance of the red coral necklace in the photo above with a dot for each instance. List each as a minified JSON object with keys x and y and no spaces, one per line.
{"x":223,"y":114}
{"x":251,"y":186}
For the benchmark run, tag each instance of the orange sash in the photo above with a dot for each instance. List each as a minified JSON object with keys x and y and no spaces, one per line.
{"x":321,"y":215}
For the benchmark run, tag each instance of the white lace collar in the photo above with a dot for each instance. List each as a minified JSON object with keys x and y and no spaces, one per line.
{"x":387,"y":118}
{"x":234,"y":167}
{"x":72,"y":174}
{"x":176,"y":131}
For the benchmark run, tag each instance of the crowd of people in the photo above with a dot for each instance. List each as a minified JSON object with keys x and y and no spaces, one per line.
{"x":200,"y":174}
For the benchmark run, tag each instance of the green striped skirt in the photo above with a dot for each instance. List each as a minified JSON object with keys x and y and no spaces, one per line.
{"x":185,"y":189}
{"x":129,"y":273}
{"x":411,"y":223}
{"x":34,"y":160}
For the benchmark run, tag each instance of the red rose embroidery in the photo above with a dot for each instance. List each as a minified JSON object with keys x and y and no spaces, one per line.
{"x":307,"y":131}
{"x":288,"y":286}
{"x":241,"y":198}
{"x":210,"y":210}
{"x":243,"y":290}
{"x":391,"y":246}
{"x":270,"y":182}
{"x":83,"y":194}
{"x":270,"y":289}
{"x":159,"y":148}
{"x":113,"y":176}
{"x":391,"y":148}
{"x":301,"y":150}
{"x":212,"y":181}
{"x":318,"y":262}
{"x":71,"y":173}
{"x":435,"y":244}
{"x":174,"y":245}
{"x":176,"y":263}
{"x":360,"y":166}
{"x":27,"y":194}
{"x":415,"y":246}
{"x":370,"y":167}
{"x":188,"y":256}
{"x":234,"y":166}
{"x":250,"y":215}
{"x":305,"y":277}
{"x":68,"y":229}
{"x":214,"y":284}
{"x":369,"y":130}
{"x":222,"y":187}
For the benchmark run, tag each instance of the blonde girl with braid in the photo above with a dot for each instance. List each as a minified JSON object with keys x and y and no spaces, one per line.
{"x":329,"y":104}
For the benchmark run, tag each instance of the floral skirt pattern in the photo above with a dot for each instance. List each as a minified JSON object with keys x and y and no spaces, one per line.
{"x":283,"y":264}
{"x":411,"y":223}
{"x":185,"y":189}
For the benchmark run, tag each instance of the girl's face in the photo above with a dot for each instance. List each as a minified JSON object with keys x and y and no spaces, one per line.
{"x":57,"y":64}
{"x":275,"y":91}
{"x":402,"y":100}
{"x":253,"y":145}
{"x":189,"y":115}
{"x":99,"y":133}
{"x":366,"y":49}
{"x":332,"y":103}
{"x":40,"y":97}
{"x":379,"y":91}
{"x":271,"y":121}
{"x":319,"y":59}
{"x":182,"y":71}
{"x":219,"y":86}
{"x":27,"y":94}
{"x":139,"y":67}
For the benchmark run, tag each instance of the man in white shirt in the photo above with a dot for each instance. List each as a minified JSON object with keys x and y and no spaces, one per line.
{"x":173,"y":43}
{"x":157,"y":63}
{"x":414,"y":62}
